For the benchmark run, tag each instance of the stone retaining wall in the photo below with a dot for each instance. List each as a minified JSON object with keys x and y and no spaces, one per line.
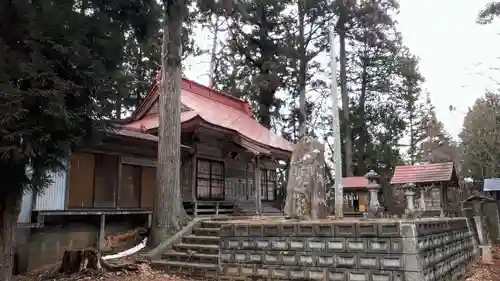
{"x":355,"y":250}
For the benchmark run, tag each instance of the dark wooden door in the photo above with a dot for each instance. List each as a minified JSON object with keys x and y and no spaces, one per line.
{"x":129,"y":193}
{"x":106,"y":180}
{"x":81,"y":180}
{"x":148,"y":185}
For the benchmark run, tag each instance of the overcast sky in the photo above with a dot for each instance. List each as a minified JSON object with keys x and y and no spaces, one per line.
{"x":456,"y":54}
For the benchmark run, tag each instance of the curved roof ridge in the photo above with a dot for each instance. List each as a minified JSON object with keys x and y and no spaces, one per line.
{"x":243,"y":105}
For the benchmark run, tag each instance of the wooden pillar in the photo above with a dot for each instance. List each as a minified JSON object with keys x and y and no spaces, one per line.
{"x":256,"y":181}
{"x":119,"y":183}
{"x":101,"y":242}
{"x":247,"y":191}
{"x":443,"y":199}
{"x":193,"y":183}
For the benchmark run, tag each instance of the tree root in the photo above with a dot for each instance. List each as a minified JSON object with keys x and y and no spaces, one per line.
{"x":75,"y":261}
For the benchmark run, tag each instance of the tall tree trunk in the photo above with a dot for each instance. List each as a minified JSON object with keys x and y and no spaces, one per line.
{"x":118,"y":106}
{"x":361,"y":169}
{"x":213,"y":53}
{"x":169,"y":214}
{"x":10,"y":200}
{"x":302,"y":71}
{"x":268,"y":80}
{"x":345,"y":103}
{"x":340,"y":26}
{"x":264,"y":109}
{"x":411,"y":123}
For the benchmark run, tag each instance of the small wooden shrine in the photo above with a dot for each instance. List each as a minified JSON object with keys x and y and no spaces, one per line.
{"x":436,"y":186}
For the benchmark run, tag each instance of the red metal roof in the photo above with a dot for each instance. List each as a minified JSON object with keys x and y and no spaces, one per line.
{"x":354,"y":182}
{"x":423,"y":173}
{"x":214,"y":108}
{"x":129,"y":132}
{"x":132,"y":133}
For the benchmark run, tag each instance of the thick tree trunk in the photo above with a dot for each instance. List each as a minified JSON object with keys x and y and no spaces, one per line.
{"x":169,"y":214}
{"x":9,"y":211}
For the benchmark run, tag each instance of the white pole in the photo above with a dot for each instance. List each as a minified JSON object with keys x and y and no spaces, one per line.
{"x":337,"y":153}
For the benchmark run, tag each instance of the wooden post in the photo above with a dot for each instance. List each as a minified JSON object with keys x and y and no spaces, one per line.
{"x":337,"y":155}
{"x":193,"y":184}
{"x":101,"y":243}
{"x":150,"y":221}
{"x":442,"y":199}
{"x":119,"y":183}
{"x":257,"y":184}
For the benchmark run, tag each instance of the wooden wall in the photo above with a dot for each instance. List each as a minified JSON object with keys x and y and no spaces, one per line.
{"x":104,"y":181}
{"x":186,"y":179}
{"x":81,"y":180}
{"x":238,"y":183}
{"x":239,"y":180}
{"x":239,"y":172}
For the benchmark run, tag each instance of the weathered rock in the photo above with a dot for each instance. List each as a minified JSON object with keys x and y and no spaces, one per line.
{"x":306,"y":194}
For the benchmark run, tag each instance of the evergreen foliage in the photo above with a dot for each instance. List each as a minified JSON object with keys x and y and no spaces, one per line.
{"x":480,"y":138}
{"x":60,"y":67}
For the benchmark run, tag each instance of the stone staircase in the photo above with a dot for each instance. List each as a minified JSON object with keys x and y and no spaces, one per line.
{"x":197,"y":254}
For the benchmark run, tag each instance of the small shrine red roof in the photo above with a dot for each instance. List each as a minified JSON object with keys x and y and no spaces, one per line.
{"x":211,"y":107}
{"x":437,"y":172}
{"x":354,"y":182}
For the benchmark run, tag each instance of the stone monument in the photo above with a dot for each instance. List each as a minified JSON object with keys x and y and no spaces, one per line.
{"x":306,"y":194}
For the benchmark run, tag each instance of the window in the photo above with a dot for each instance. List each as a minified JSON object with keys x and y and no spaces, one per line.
{"x":209,"y":180}
{"x":268,"y":184}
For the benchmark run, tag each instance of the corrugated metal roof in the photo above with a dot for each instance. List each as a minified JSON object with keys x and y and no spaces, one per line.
{"x":133,"y":133}
{"x":217,"y":109}
{"x":354,"y":182}
{"x":193,"y":87}
{"x":492,"y":184}
{"x":423,"y":173}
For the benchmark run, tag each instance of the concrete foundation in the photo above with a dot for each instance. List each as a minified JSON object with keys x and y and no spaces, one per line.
{"x":355,"y":250}
{"x":39,"y":247}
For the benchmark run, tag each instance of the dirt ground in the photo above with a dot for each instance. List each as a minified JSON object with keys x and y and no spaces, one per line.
{"x":487,"y":272}
{"x":145,"y":273}
{"x":480,"y":272}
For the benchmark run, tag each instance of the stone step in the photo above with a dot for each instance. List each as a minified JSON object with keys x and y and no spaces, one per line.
{"x":204,"y":271}
{"x":205,"y":231}
{"x":191,"y":257}
{"x":196,"y":248}
{"x":212,"y":223}
{"x":201,"y":240}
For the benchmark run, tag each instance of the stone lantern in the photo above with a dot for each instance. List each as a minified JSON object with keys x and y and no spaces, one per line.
{"x":373,"y":187}
{"x":409,"y":192}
